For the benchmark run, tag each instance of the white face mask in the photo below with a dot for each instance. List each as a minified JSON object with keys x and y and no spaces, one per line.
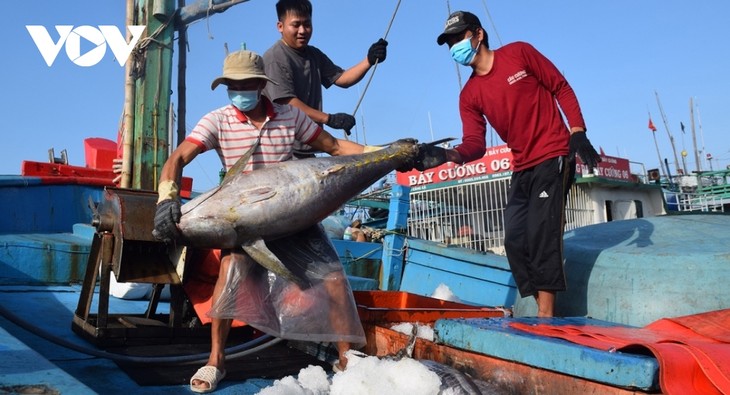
{"x":244,"y":100}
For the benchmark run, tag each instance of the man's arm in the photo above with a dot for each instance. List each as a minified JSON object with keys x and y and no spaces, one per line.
{"x":353,"y":75}
{"x":314,"y":114}
{"x":376,"y":54}
{"x":327,"y":143}
{"x":336,"y":121}
{"x":549,"y":76}
{"x":167,"y":213}
{"x":183,"y":154}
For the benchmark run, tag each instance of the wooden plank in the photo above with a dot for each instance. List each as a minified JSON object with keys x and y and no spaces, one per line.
{"x":496,"y":338}
{"x":424,"y":280}
{"x":512,"y":377}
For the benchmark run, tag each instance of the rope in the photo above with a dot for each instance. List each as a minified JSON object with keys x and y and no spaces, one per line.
{"x":375,"y":66}
{"x":245,"y":349}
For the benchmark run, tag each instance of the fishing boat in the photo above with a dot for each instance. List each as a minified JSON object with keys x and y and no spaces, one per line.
{"x":67,"y":231}
{"x":48,"y":245}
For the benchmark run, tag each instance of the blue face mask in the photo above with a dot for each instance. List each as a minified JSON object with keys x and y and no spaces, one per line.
{"x":244,"y":100}
{"x":462,"y":52}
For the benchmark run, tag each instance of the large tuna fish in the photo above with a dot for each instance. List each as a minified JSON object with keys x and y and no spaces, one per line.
{"x":279,"y":200}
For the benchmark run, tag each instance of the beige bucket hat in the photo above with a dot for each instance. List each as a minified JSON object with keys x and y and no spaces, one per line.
{"x":241,"y":65}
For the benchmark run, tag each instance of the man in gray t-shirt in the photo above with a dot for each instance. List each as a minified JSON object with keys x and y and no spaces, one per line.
{"x":300,"y":70}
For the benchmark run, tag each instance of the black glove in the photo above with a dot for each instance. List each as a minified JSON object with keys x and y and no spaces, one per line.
{"x":342,"y":121}
{"x":377,"y":52}
{"x":167,"y":217}
{"x":430,"y":156}
{"x":580,"y":145}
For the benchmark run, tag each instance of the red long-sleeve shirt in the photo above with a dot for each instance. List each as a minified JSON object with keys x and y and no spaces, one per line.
{"x":518,"y":97}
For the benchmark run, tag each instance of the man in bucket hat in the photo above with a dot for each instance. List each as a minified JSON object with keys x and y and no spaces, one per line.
{"x":521,"y":94}
{"x":251,"y":122}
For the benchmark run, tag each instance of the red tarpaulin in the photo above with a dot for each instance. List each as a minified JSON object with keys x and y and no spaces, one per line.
{"x":693,"y":351}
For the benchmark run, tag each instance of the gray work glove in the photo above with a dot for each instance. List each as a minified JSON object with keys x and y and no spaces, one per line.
{"x":342,"y":121}
{"x":580,"y":145}
{"x":377,"y":52}
{"x":430,"y":156}
{"x":167,"y":217}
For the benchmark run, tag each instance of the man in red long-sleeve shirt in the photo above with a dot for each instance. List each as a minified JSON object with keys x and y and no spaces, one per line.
{"x":521,"y":94}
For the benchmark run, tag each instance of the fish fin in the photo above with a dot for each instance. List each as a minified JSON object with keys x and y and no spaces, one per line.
{"x":248,"y":196}
{"x":257,"y":194}
{"x":259,"y":252}
{"x":335,"y":168}
{"x":238,"y":166}
{"x":233,"y":171}
{"x":189,"y":206}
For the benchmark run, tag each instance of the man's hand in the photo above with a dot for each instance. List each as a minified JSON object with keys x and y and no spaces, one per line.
{"x":377,"y":52}
{"x":167,"y":217}
{"x":430,"y":156}
{"x":580,"y":145}
{"x":342,"y":121}
{"x":117,"y":164}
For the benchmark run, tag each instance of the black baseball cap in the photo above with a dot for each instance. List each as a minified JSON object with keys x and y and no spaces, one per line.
{"x":457,"y":23}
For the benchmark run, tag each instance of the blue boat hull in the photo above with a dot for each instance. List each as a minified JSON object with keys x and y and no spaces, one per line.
{"x":637,"y":271}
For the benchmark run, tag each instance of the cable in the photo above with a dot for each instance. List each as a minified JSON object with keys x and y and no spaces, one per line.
{"x":375,"y":66}
{"x":250,"y":347}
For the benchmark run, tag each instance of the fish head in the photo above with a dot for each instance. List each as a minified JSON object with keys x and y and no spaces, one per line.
{"x":208,"y":231}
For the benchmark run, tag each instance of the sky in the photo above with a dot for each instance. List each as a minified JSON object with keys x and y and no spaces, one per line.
{"x":618,"y":56}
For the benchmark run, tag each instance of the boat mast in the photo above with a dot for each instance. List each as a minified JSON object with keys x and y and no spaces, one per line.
{"x":126,"y":128}
{"x":698,"y":166}
{"x":146,"y":137}
{"x":456,"y":65}
{"x":659,"y":155}
{"x":671,"y":138}
{"x":182,"y":62}
{"x":702,"y":135}
{"x":430,"y":126}
{"x":147,"y":94}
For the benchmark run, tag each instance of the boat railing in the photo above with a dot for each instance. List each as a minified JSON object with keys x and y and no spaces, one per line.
{"x":702,"y":202}
{"x":472,"y":215}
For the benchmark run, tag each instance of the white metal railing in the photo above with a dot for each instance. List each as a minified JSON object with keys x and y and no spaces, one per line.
{"x":472,"y":215}
{"x":579,"y":209}
{"x":699,"y":202}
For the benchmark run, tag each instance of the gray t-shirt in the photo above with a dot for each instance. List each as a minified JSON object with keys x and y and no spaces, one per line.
{"x":299,"y":74}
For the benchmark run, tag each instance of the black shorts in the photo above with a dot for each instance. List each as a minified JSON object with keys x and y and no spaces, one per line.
{"x":535,"y":218}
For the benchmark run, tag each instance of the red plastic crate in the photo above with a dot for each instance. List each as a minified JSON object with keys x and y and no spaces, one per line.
{"x":397,"y":306}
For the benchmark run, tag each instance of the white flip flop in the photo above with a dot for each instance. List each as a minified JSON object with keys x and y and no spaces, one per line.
{"x":208,"y":374}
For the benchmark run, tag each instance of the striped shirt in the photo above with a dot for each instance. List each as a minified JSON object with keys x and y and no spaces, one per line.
{"x":231,"y":134}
